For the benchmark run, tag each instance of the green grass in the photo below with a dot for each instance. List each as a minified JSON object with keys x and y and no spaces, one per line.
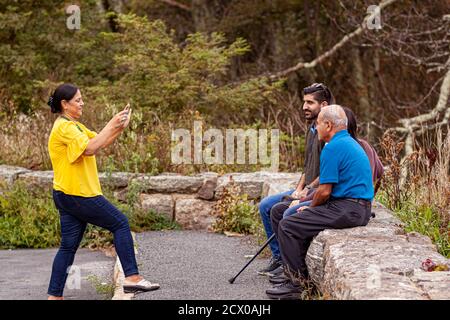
{"x":425,"y":220}
{"x":104,"y":289}
{"x":29,"y":219}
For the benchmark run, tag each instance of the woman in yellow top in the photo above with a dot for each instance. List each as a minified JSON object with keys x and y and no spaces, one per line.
{"x":76,"y":189}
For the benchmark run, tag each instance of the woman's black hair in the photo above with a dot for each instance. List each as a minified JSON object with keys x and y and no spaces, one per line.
{"x":352,"y":125}
{"x":66,"y":92}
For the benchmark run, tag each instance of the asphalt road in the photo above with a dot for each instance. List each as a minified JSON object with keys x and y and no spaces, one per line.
{"x":25,"y":275}
{"x":196,"y":265}
{"x":189,"y":265}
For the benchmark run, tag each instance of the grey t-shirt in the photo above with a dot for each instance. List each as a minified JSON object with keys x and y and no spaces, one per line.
{"x":313,"y":148}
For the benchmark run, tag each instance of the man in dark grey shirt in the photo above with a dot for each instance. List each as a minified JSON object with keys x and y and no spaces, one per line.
{"x":315,"y":97}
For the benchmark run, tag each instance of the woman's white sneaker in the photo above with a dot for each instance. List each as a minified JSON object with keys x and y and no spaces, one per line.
{"x":143,"y":285}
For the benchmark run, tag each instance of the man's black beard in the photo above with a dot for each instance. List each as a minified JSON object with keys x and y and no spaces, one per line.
{"x":311,"y":120}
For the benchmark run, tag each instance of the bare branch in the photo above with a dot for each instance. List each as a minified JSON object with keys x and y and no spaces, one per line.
{"x":417,"y":104}
{"x":336,"y":47}
{"x":174,"y":3}
{"x":416,"y":125}
{"x":398,"y":129}
{"x":440,"y":106}
{"x":443,"y":122}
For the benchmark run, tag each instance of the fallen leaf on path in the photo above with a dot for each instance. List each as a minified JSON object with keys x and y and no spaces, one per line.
{"x":233,"y":234}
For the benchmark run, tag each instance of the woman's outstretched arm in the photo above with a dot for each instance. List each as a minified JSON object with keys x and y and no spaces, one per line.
{"x":108,"y":134}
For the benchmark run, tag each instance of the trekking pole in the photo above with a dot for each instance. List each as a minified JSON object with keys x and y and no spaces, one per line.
{"x":259,"y":251}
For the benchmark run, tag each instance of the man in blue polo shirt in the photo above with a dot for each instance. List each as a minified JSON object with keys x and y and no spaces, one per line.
{"x":343,"y":200}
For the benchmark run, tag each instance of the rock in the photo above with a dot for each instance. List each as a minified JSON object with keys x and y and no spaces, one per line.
{"x":45,"y":178}
{"x":382,"y":286}
{"x":169,"y":183}
{"x":37,"y":178}
{"x":160,"y":203}
{"x":116,"y":180}
{"x":436,"y":284}
{"x":207,"y":175}
{"x":372,"y":262}
{"x":8,"y":174}
{"x":252,"y":183}
{"x":271,"y":188}
{"x":208,"y":188}
{"x":415,"y":237}
{"x":194,"y":214}
{"x":384,"y":216}
{"x":121,"y":194}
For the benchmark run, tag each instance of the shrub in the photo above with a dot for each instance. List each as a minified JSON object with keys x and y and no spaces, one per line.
{"x":29,"y":219}
{"x":417,"y":188}
{"x":236,"y":213}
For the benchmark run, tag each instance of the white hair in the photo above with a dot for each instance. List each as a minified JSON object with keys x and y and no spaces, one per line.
{"x":335,"y":114}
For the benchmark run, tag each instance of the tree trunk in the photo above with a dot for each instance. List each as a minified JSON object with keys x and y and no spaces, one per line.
{"x":111,"y":5}
{"x":362,"y":93}
{"x":205,"y":14}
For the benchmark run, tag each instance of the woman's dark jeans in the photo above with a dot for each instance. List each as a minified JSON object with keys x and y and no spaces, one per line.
{"x":75,"y":213}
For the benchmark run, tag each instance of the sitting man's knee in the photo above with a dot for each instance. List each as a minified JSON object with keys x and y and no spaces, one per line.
{"x":278,"y":210}
{"x":264,"y":205}
{"x":282,"y":226}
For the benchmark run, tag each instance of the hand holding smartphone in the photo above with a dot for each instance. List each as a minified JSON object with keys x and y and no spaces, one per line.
{"x":127,"y":115}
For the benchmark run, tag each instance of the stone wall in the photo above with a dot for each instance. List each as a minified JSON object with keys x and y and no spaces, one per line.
{"x":189,"y":200}
{"x":378,"y":261}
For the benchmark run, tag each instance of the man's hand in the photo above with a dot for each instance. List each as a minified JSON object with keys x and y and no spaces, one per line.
{"x":302,"y":208}
{"x":300,"y":194}
{"x":322,"y":194}
{"x":294,"y":203}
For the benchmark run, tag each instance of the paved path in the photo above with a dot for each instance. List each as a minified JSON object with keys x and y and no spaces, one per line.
{"x":25,"y":274}
{"x":196,"y":265}
{"x":189,"y":265}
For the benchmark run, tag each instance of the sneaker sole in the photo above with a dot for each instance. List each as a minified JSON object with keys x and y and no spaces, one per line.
{"x":278,"y":281}
{"x":290,"y":296}
{"x":134,"y":289}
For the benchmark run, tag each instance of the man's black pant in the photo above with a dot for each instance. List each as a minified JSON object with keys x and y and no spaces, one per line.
{"x":295,"y":233}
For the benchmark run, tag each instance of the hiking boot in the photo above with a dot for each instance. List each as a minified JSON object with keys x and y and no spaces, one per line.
{"x":278,"y":279}
{"x":277,"y":272}
{"x":274,"y":264}
{"x":285,"y":291}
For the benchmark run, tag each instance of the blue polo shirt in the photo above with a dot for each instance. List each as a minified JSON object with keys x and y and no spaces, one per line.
{"x":344,"y":163}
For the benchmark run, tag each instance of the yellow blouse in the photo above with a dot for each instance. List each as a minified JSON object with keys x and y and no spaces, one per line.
{"x":74,"y":173}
